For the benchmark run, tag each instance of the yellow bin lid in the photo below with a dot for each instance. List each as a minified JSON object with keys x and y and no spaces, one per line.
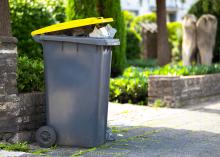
{"x":72,"y":24}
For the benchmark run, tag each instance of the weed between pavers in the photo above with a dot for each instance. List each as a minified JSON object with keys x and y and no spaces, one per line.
{"x":81,"y":152}
{"x":22,"y":147}
{"x":125,"y":112}
{"x":159,"y":103}
{"x":116,"y":143}
{"x":117,"y":130}
{"x":40,"y":151}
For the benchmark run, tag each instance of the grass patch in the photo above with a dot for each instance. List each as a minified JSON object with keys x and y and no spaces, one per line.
{"x":40,"y":152}
{"x":82,"y":152}
{"x":115,"y":143}
{"x":117,"y":130}
{"x":159,"y":103}
{"x":125,"y":112}
{"x":21,"y":147}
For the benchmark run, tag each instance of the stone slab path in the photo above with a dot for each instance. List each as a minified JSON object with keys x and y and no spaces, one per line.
{"x":154,"y":132}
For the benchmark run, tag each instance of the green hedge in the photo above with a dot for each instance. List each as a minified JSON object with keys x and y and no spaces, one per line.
{"x":175,"y":40}
{"x":131,"y":87}
{"x":29,"y":15}
{"x":81,"y":9}
{"x":147,"y":18}
{"x":113,"y":9}
{"x":133,"y":49}
{"x":129,"y":17}
{"x":30,"y":74}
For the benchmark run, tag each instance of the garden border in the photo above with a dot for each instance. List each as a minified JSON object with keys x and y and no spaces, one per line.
{"x":179,"y":91}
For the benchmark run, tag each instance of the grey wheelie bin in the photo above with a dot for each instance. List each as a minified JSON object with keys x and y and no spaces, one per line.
{"x":77,"y":73}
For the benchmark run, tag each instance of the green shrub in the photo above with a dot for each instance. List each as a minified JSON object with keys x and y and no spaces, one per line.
{"x":30,"y":74}
{"x":209,"y":7}
{"x":134,"y":32}
{"x":131,"y":87}
{"x":143,"y":63}
{"x":81,"y":9}
{"x":133,"y":49}
{"x":147,"y":18}
{"x":179,"y":70}
{"x":113,"y":9}
{"x":175,"y":40}
{"x":129,"y":90}
{"x":56,"y":8}
{"x":27,"y":16}
{"x":129,"y":17}
{"x":22,"y":147}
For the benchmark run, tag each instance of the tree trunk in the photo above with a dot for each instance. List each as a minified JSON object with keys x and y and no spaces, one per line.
{"x":5,"y":26}
{"x":163,"y":51}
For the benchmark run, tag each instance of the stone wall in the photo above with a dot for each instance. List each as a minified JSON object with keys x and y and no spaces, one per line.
{"x":20,"y":114}
{"x":184,"y":90}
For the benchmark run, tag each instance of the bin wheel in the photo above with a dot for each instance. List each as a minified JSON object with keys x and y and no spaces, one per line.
{"x":46,"y":136}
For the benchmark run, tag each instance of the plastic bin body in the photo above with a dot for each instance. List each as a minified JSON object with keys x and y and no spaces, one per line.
{"x":77,"y":72}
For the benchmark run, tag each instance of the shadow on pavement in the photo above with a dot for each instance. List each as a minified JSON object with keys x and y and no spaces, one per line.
{"x":143,"y":141}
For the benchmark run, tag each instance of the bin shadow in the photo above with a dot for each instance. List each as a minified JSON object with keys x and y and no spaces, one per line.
{"x":145,"y":141}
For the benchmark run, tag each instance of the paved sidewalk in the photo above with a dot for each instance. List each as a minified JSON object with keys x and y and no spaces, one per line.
{"x":155,"y":132}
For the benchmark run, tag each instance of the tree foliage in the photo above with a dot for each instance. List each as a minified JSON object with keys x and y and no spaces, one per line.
{"x":29,"y":15}
{"x":113,"y":9}
{"x":79,"y":9}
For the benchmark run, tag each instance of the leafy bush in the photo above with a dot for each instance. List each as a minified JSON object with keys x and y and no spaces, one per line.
{"x":131,"y":87}
{"x":113,"y":9}
{"x":143,"y":63}
{"x":175,"y":40}
{"x":147,"y":18}
{"x":29,"y":15}
{"x":134,"y":32}
{"x":56,"y":8}
{"x":133,"y":49}
{"x":22,"y":147}
{"x":129,"y":17}
{"x":179,"y":70}
{"x":81,"y":9}
{"x":209,"y":7}
{"x":30,"y":74}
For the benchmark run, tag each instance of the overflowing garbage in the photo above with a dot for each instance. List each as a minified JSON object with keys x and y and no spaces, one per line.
{"x":96,"y":31}
{"x":103,"y":32}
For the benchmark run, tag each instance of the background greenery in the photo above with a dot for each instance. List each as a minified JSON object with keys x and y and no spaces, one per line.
{"x":29,"y":15}
{"x":81,"y":9}
{"x":175,"y":40}
{"x":134,"y":28}
{"x":30,"y":74}
{"x":132,"y":86}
